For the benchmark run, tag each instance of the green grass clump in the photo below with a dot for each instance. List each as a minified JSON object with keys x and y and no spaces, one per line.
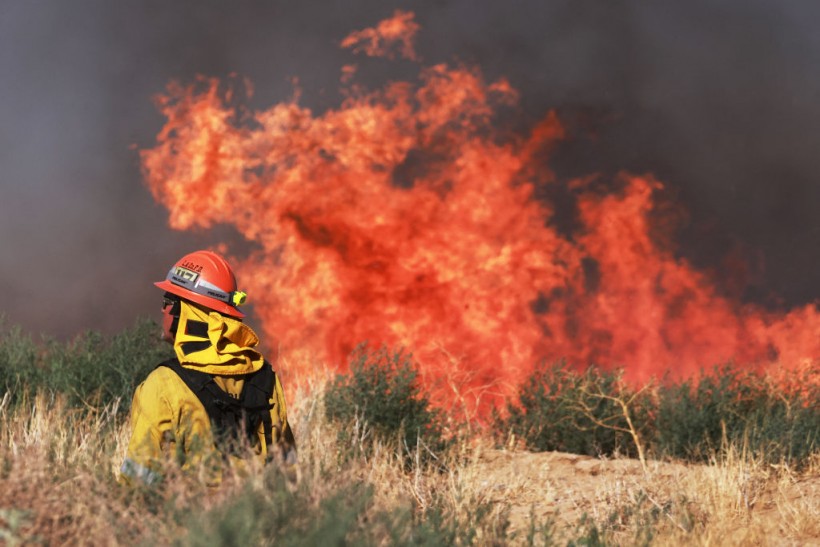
{"x":271,"y":513}
{"x":275,"y":515}
{"x":382,"y":392}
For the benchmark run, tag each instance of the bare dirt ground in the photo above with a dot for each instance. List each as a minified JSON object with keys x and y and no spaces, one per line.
{"x":727,"y":503}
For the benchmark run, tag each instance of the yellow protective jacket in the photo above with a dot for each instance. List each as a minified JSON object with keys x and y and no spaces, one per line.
{"x":168,"y":421}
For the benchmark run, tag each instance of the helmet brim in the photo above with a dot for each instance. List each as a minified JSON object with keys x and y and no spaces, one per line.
{"x":210,"y":303}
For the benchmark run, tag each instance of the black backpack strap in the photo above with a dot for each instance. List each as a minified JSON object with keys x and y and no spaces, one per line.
{"x":215,"y":401}
{"x":195,"y":380}
{"x":255,"y":399}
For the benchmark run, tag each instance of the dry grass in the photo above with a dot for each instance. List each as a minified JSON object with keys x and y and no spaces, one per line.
{"x":734,"y":500}
{"x":58,"y":467}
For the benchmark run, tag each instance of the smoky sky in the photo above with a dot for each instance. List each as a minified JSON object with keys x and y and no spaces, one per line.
{"x":720,"y":100}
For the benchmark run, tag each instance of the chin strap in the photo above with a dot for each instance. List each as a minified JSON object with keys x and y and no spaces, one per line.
{"x":176,"y":309}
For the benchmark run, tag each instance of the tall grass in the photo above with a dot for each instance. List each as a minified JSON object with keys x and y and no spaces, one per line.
{"x":61,"y":445}
{"x":57,"y":487}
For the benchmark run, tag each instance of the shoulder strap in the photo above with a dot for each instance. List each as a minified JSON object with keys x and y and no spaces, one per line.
{"x":215,"y":401}
{"x":255,"y":398}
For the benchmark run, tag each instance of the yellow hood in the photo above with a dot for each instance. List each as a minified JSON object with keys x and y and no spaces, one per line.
{"x":215,"y":343}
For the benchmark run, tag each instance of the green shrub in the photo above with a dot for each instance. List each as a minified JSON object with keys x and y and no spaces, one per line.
{"x":577,"y":412}
{"x":580,"y":412}
{"x":102,"y":370}
{"x":382,"y":391}
{"x":90,"y":369}
{"x":696,"y":419}
{"x":19,"y":360}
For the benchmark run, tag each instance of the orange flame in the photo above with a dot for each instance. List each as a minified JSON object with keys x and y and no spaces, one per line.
{"x":405,"y":218}
{"x":377,"y":42}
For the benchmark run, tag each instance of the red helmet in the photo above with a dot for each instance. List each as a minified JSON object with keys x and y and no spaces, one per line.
{"x":206,"y":278}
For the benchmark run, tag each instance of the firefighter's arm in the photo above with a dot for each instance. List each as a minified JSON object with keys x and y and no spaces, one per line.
{"x":151,"y":432}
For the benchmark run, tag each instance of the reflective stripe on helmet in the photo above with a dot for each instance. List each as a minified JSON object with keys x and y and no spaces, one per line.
{"x":193,"y":282}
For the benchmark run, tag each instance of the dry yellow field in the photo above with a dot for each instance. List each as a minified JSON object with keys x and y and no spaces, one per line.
{"x":57,"y":487}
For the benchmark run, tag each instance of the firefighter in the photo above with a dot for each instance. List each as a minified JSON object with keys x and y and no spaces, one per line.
{"x":218,"y":399}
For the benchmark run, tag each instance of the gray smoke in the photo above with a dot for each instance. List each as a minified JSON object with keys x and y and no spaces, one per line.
{"x":718,"y":99}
